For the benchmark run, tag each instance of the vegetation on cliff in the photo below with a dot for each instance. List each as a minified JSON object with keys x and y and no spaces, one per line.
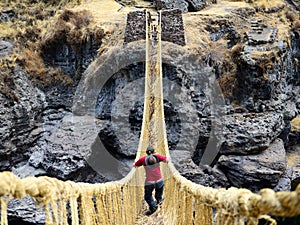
{"x":34,"y":27}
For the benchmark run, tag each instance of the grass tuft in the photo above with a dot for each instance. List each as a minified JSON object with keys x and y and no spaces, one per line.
{"x":37,"y":25}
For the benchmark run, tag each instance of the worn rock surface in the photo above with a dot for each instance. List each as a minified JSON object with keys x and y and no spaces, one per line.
{"x":250,"y":133}
{"x":6,"y":48}
{"x":171,"y":4}
{"x":20,"y":125}
{"x":183,"y":5}
{"x":256,"y":171}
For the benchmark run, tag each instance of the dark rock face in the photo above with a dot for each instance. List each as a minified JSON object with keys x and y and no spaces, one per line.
{"x":250,"y":133}
{"x":35,"y":140}
{"x":196,"y":5}
{"x":251,"y":79}
{"x":59,"y":153}
{"x":171,"y":4}
{"x":20,"y":128}
{"x":7,"y":15}
{"x":256,"y":171}
{"x":110,"y":93}
{"x":72,"y":61}
{"x":6,"y":48}
{"x":206,"y":176}
{"x":284,"y":184}
{"x":295,"y":43}
{"x":265,"y":83}
{"x":29,"y":215}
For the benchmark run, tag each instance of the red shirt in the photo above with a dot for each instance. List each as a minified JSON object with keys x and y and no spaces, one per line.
{"x":152,"y":172}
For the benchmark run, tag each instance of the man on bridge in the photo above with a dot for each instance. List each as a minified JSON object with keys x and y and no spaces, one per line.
{"x":154,"y":180}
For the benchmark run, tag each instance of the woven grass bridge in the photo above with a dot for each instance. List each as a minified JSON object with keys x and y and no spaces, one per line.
{"x":121,"y":202}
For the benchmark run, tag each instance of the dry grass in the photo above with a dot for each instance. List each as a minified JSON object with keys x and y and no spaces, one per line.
{"x":38,"y":24}
{"x":265,"y":60}
{"x":266,"y":3}
{"x":71,"y":28}
{"x":31,"y":17}
{"x":295,"y":123}
{"x":290,"y":15}
{"x":39,"y":74}
{"x":229,"y":71}
{"x":7,"y":84}
{"x":296,"y":25}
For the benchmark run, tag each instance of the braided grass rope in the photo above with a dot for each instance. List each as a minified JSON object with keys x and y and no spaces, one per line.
{"x":119,"y":202}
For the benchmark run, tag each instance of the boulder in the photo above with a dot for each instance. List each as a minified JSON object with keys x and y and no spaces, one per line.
{"x":183,"y":5}
{"x":196,"y":5}
{"x":206,"y":176}
{"x":256,"y":171}
{"x":172,"y":4}
{"x":250,"y":133}
{"x":65,"y":148}
{"x":31,"y":214}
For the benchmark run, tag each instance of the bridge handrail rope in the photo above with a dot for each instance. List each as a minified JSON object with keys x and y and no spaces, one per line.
{"x":120,"y":202}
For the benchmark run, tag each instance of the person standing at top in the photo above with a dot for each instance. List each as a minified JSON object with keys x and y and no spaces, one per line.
{"x":154,"y":35}
{"x":154,"y":180}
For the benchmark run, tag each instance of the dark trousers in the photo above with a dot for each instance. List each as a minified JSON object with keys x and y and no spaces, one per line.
{"x":159,"y":188}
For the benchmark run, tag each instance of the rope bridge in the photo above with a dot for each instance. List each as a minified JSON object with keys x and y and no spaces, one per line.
{"x":120,"y":202}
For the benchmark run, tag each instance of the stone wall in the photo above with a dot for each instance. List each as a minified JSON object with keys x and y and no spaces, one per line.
{"x":172,"y":27}
{"x":136,"y":26}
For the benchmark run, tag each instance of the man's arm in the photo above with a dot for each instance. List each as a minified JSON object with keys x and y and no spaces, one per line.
{"x":163,"y":158}
{"x":166,"y":160}
{"x":138,"y":163}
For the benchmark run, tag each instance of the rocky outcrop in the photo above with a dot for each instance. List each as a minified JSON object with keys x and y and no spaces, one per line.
{"x":250,"y":133}
{"x":206,"y":176}
{"x":7,"y":15}
{"x":6,"y":48}
{"x":171,"y":4}
{"x":29,"y":215}
{"x":295,"y":43}
{"x":256,"y":171}
{"x":20,"y":127}
{"x":196,"y":5}
{"x":40,"y":136}
{"x":183,"y":5}
{"x":72,"y":61}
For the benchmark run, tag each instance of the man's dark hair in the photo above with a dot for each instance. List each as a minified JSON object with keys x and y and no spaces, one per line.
{"x":150,"y":150}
